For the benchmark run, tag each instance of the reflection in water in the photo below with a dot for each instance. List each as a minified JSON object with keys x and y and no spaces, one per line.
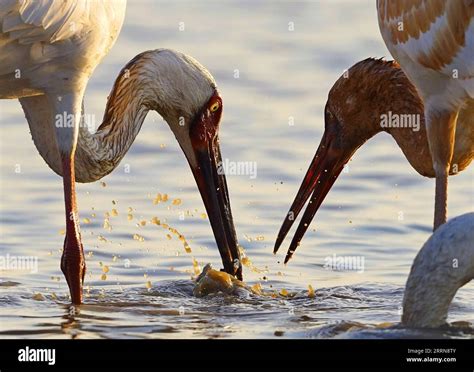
{"x":70,"y":325}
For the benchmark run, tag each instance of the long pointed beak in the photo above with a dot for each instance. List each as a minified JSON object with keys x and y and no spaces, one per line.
{"x":325,"y":167}
{"x":212,"y":185}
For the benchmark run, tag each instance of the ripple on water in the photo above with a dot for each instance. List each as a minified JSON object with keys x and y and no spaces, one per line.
{"x":169,"y":309}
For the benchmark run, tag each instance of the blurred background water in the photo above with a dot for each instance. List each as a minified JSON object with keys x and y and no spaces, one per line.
{"x":147,"y":291}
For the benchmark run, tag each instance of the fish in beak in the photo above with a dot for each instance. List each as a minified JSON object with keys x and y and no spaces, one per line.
{"x":331,"y":156}
{"x":205,"y":160}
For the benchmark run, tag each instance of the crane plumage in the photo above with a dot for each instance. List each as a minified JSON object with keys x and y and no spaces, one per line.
{"x":435,"y":34}
{"x":44,"y":38}
{"x":433,"y":40}
{"x":169,"y":82}
{"x":443,"y":265}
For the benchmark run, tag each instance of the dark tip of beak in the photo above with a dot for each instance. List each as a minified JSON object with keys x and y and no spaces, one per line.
{"x":288,"y":256}
{"x":307,"y":186}
{"x":278,"y":242}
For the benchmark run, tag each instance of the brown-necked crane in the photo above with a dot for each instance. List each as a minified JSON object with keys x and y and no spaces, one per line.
{"x":355,"y":110}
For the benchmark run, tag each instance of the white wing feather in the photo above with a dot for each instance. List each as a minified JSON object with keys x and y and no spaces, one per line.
{"x":434,"y":29}
{"x":429,"y":37}
{"x":31,"y":21}
{"x":63,"y":34}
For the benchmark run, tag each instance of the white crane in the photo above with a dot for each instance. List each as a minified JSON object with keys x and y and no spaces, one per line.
{"x":433,"y":40}
{"x":48,"y":51}
{"x":444,"y":264}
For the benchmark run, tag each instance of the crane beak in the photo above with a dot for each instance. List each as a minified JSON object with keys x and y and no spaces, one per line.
{"x":212,"y":185}
{"x":204,"y":157}
{"x":326,"y":166}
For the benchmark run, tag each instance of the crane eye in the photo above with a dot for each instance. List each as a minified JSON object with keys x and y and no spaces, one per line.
{"x":214,"y":107}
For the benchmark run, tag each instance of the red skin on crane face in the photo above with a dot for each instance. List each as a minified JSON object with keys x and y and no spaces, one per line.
{"x":205,"y":127}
